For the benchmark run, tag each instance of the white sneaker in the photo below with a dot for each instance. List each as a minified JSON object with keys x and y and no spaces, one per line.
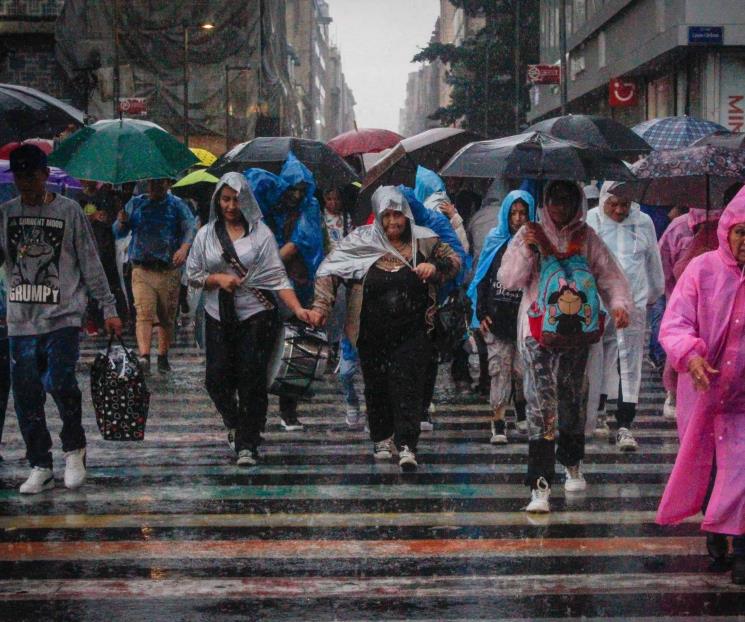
{"x":575,"y":481}
{"x":521,"y":426}
{"x":539,"y":498}
{"x":248,"y":457}
{"x":669,"y":408}
{"x":602,"y":430}
{"x":407,"y":459}
{"x":431,"y":409}
{"x":353,"y":416}
{"x":39,"y":480}
{"x":426,"y":425}
{"x":625,"y":440}
{"x":383,"y":450}
{"x":75,"y":468}
{"x":498,"y":433}
{"x":231,"y":439}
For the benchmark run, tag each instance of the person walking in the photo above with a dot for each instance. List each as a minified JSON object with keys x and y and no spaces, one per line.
{"x":51,"y":263}
{"x":616,"y":361}
{"x":393,"y":268}
{"x":554,"y":381}
{"x":496,"y":314}
{"x":235,"y":259}
{"x":162,"y":228}
{"x":702,"y":331}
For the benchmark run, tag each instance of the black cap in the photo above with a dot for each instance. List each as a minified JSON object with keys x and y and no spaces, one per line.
{"x":27,"y":159}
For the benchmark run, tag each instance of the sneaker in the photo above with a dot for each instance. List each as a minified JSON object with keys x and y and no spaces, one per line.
{"x":163,"y":365}
{"x":74,"y":468}
{"x":39,"y":480}
{"x":498,"y":433}
{"x":231,"y":439}
{"x":602,"y":430}
{"x":91,"y":329}
{"x":290,"y":422}
{"x":248,"y":457}
{"x":575,"y":481}
{"x":407,"y":459}
{"x":383,"y":450}
{"x":426,"y":424}
{"x":539,"y":498}
{"x":353,"y":417}
{"x":625,"y":441}
{"x":431,"y":409}
{"x":144,"y":363}
{"x":668,"y":409}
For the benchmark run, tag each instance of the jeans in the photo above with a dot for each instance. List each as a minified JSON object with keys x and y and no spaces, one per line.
{"x":349,"y":365}
{"x":656,"y":311}
{"x":42,"y":364}
{"x":237,"y":362}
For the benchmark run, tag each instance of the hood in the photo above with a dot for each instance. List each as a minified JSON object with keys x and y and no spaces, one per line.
{"x":732,"y":215}
{"x":295,"y":172}
{"x":389,"y":198}
{"x":427,"y":182}
{"x":503,"y":220}
{"x":605,"y":194}
{"x":246,"y":200}
{"x":697,"y":215}
{"x":267,"y":188}
{"x":578,"y":219}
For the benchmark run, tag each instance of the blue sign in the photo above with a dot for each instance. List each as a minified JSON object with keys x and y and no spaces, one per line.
{"x":708,"y":35}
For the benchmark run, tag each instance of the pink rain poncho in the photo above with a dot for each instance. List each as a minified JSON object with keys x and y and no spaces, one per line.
{"x":706,"y":317}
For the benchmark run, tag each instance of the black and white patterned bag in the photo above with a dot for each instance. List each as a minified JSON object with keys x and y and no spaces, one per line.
{"x":120,"y":396}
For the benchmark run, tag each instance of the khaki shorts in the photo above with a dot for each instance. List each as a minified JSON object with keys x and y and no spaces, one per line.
{"x":156,"y":296}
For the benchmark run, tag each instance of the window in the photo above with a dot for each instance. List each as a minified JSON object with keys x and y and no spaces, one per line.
{"x":602,"y":60}
{"x":580,"y":16}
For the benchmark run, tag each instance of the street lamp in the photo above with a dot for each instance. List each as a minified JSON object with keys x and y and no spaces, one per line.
{"x":186,"y":27}
{"x":228,"y":69}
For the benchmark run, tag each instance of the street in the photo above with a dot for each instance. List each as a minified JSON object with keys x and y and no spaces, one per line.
{"x":171,"y":529}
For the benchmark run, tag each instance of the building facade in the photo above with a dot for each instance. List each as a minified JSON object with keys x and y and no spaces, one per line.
{"x":678,"y":56}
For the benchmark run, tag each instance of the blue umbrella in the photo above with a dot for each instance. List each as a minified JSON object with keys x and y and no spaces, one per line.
{"x":675,"y":132}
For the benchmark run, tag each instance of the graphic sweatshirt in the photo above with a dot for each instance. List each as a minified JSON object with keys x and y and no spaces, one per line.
{"x":51,"y":264}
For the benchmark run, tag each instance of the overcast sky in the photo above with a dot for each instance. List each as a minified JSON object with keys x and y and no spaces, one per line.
{"x":377,"y":39}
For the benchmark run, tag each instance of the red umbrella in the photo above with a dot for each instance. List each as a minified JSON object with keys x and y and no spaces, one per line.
{"x":45,"y":145}
{"x":366,"y":140}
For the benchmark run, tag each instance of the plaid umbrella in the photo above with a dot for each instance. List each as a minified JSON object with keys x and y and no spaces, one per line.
{"x":675,"y":132}
{"x":689,"y":177}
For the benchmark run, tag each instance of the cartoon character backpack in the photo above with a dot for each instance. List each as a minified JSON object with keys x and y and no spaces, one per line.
{"x":567,"y":312}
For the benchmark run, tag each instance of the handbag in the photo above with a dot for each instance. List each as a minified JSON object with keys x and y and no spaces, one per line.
{"x":121,"y":399}
{"x":451,"y":323}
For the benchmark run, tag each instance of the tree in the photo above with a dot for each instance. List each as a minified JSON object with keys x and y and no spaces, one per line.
{"x":482,"y":68}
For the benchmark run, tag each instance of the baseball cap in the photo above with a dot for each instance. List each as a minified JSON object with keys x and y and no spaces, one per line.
{"x":27,"y":159}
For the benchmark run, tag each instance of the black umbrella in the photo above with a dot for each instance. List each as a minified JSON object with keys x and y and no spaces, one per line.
{"x":535,"y":155}
{"x":28,"y":113}
{"x":270,"y":153}
{"x":595,"y":131}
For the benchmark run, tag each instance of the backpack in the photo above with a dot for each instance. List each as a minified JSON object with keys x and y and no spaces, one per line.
{"x":567,"y":312}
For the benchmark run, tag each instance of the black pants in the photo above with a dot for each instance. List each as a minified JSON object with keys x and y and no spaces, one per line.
{"x":4,"y":381}
{"x":430,"y":381}
{"x":625,"y":413}
{"x":459,"y":369}
{"x":395,"y":384}
{"x":237,"y":362}
{"x":484,"y":379}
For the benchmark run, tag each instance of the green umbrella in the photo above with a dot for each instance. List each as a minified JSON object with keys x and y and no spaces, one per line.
{"x":121,"y":150}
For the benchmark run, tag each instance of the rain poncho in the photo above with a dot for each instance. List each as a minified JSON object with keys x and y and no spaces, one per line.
{"x":496,"y":239}
{"x":430,"y":191}
{"x":357,"y":252}
{"x":633,"y":243}
{"x":705,"y":317}
{"x":265,"y":270}
{"x":521,"y":270}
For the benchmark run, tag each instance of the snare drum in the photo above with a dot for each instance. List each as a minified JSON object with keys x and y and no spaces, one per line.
{"x":299,"y":358}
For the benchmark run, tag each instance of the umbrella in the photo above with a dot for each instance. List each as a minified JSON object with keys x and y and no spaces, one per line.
{"x":674,"y":132}
{"x":689,"y":177}
{"x":28,"y":113}
{"x":431,"y":149}
{"x":366,"y":140}
{"x":595,"y":131}
{"x":45,"y":145}
{"x":206,"y":158}
{"x":725,"y":138}
{"x":270,"y":153}
{"x":122,"y":150}
{"x":535,"y":155}
{"x":59,"y":180}
{"x":197,"y":177}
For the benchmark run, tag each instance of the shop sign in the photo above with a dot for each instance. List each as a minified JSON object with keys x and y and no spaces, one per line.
{"x":622,"y":93}
{"x":133,"y":106}
{"x":732,"y":93}
{"x":544,"y":74}
{"x":706,"y":35}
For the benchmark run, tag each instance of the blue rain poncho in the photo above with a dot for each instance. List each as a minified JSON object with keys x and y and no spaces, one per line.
{"x":427,"y":183}
{"x":496,"y":239}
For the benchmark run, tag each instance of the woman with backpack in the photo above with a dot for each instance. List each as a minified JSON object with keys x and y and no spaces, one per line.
{"x":562,"y":267}
{"x":496,"y":312}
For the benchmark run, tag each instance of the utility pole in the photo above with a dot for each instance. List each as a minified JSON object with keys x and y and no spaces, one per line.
{"x":563,"y":53}
{"x":117,"y":86}
{"x":518,"y":85}
{"x":186,"y":84}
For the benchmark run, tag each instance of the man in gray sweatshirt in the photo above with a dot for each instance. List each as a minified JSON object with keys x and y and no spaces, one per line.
{"x":51,"y":262}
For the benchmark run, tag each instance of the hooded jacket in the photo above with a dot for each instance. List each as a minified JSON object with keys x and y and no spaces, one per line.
{"x":520,"y":267}
{"x":265,"y":268}
{"x":705,"y":317}
{"x":430,"y":191}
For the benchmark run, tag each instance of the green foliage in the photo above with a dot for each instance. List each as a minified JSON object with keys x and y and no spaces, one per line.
{"x":482,"y":68}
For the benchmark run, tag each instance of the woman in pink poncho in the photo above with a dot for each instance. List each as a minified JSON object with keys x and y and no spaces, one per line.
{"x":703,"y":332}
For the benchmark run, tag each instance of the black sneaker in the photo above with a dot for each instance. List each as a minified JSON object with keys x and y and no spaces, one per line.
{"x":163,"y":365}
{"x":290,"y":422}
